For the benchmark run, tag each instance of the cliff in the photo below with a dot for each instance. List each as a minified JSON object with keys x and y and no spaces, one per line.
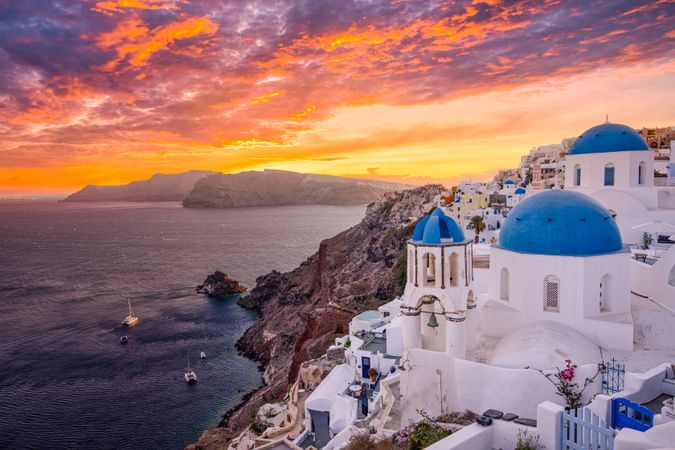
{"x":158,"y":188}
{"x":276,"y":187}
{"x":302,"y":311}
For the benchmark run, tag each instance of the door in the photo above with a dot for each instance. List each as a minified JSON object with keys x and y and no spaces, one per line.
{"x":320,"y":427}
{"x":365,"y":366}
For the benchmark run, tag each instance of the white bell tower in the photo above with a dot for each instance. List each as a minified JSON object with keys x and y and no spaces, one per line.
{"x":439,"y":294}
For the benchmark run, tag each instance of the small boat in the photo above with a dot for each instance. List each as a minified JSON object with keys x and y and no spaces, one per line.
{"x":130,"y":320}
{"x":124,"y":340}
{"x":190,"y":375}
{"x":202,"y":355}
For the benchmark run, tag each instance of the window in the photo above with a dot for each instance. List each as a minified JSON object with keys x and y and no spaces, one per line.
{"x":609,"y":175}
{"x":454,"y":269}
{"x":429,"y":268}
{"x":411,"y":266}
{"x":605,"y":298}
{"x":641,"y":173}
{"x":551,"y":294}
{"x":504,"y":285}
{"x":577,"y":175}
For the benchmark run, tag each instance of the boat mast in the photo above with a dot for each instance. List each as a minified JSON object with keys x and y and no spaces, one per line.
{"x":131,"y":311}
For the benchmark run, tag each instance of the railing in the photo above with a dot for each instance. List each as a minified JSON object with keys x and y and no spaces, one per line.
{"x":613,"y":377}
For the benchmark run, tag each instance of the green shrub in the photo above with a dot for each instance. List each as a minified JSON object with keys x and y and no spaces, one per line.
{"x":527,"y":441}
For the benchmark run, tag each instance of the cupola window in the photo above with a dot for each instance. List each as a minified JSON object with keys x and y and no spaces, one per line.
{"x":641,"y":173}
{"x":577,"y":175}
{"x":609,"y":175}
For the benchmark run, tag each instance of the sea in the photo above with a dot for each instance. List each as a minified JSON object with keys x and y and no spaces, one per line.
{"x":67,"y":271}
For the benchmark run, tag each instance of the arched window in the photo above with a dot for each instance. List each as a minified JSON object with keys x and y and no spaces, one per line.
{"x":429,"y":269}
{"x":551,"y":294}
{"x":609,"y":175}
{"x":504,"y":285}
{"x":454,"y":269}
{"x":577,"y":175}
{"x":641,"y":173}
{"x":605,"y":297}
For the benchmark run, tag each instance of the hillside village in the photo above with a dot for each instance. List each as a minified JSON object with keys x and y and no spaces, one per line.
{"x":547,"y":323}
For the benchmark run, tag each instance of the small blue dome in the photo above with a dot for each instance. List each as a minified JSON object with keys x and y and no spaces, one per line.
{"x":509,"y":182}
{"x":435,"y":228}
{"x":608,"y":137}
{"x":559,"y":222}
{"x":519,"y":191}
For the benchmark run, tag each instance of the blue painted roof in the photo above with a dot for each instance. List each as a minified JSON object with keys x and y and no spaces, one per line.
{"x":519,"y":191}
{"x":436,"y":226}
{"x":608,"y":137}
{"x":559,"y":222}
{"x":509,"y":182}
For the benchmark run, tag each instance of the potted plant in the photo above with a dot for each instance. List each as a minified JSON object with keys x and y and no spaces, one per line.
{"x":372,"y":373}
{"x":392,"y":369}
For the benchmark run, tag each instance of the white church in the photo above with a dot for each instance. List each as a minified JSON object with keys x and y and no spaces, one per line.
{"x":562,"y":284}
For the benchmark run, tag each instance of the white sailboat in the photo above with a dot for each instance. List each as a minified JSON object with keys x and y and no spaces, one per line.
{"x":190,"y":375}
{"x":202,"y":355}
{"x":130,"y":320}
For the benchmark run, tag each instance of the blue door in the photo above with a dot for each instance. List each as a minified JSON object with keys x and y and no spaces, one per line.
{"x":365,"y":366}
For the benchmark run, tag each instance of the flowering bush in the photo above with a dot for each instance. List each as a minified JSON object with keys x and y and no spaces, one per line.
{"x":563,"y":379}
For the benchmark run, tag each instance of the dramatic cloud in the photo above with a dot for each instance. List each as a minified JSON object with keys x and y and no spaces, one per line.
{"x":109,"y":91}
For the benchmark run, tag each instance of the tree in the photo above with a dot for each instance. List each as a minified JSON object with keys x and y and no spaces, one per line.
{"x":478,"y":226}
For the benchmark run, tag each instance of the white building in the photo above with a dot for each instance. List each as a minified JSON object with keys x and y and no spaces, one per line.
{"x":612,"y":157}
{"x":560,"y":258}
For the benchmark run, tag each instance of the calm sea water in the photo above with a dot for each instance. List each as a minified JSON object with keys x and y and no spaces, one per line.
{"x":66,"y":272}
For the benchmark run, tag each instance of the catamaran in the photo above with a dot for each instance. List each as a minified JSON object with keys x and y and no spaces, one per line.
{"x":190,"y":375}
{"x":130,"y":320}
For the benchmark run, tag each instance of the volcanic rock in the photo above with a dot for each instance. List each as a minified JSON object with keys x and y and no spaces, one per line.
{"x":218,"y":284}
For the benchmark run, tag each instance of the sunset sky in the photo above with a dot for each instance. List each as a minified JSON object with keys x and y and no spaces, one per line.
{"x":106,"y":92}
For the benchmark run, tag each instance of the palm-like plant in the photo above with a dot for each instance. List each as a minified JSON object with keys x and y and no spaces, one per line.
{"x":478,"y":226}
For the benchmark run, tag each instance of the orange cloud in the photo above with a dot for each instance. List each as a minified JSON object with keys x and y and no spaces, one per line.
{"x":132,"y":38}
{"x":108,"y":7}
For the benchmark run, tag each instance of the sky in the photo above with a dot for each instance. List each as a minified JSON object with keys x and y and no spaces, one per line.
{"x":107,"y":92}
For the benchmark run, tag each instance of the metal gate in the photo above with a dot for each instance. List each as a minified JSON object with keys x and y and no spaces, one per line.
{"x":627,"y":414}
{"x":583,"y":430}
{"x":613,"y":377}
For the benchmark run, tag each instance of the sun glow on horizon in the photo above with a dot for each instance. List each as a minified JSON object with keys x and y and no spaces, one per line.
{"x":159,"y":86}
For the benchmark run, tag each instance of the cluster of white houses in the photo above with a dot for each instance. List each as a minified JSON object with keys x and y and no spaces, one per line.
{"x":562,"y":285}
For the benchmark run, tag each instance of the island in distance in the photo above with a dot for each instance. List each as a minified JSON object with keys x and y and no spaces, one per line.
{"x":203,"y":189}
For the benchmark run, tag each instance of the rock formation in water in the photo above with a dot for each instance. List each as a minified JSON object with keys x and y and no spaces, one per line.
{"x":159,"y":188}
{"x":276,"y":187}
{"x":302,"y":311}
{"x":218,"y":284}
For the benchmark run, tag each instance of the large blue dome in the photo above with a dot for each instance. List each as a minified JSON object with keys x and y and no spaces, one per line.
{"x":608,"y":137}
{"x":559,"y":222}
{"x":437,"y":228}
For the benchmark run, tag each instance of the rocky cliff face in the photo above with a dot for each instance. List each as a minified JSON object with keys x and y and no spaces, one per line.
{"x":302,"y":311}
{"x":276,"y":187}
{"x":159,"y":188}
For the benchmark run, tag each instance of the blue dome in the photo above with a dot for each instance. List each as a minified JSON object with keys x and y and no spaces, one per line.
{"x":608,"y":137}
{"x":519,"y":191}
{"x":559,"y":222}
{"x":509,"y":182}
{"x":435,"y":227}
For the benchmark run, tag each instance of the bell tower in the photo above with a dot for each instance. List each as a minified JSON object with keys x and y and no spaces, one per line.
{"x":439,"y":294}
